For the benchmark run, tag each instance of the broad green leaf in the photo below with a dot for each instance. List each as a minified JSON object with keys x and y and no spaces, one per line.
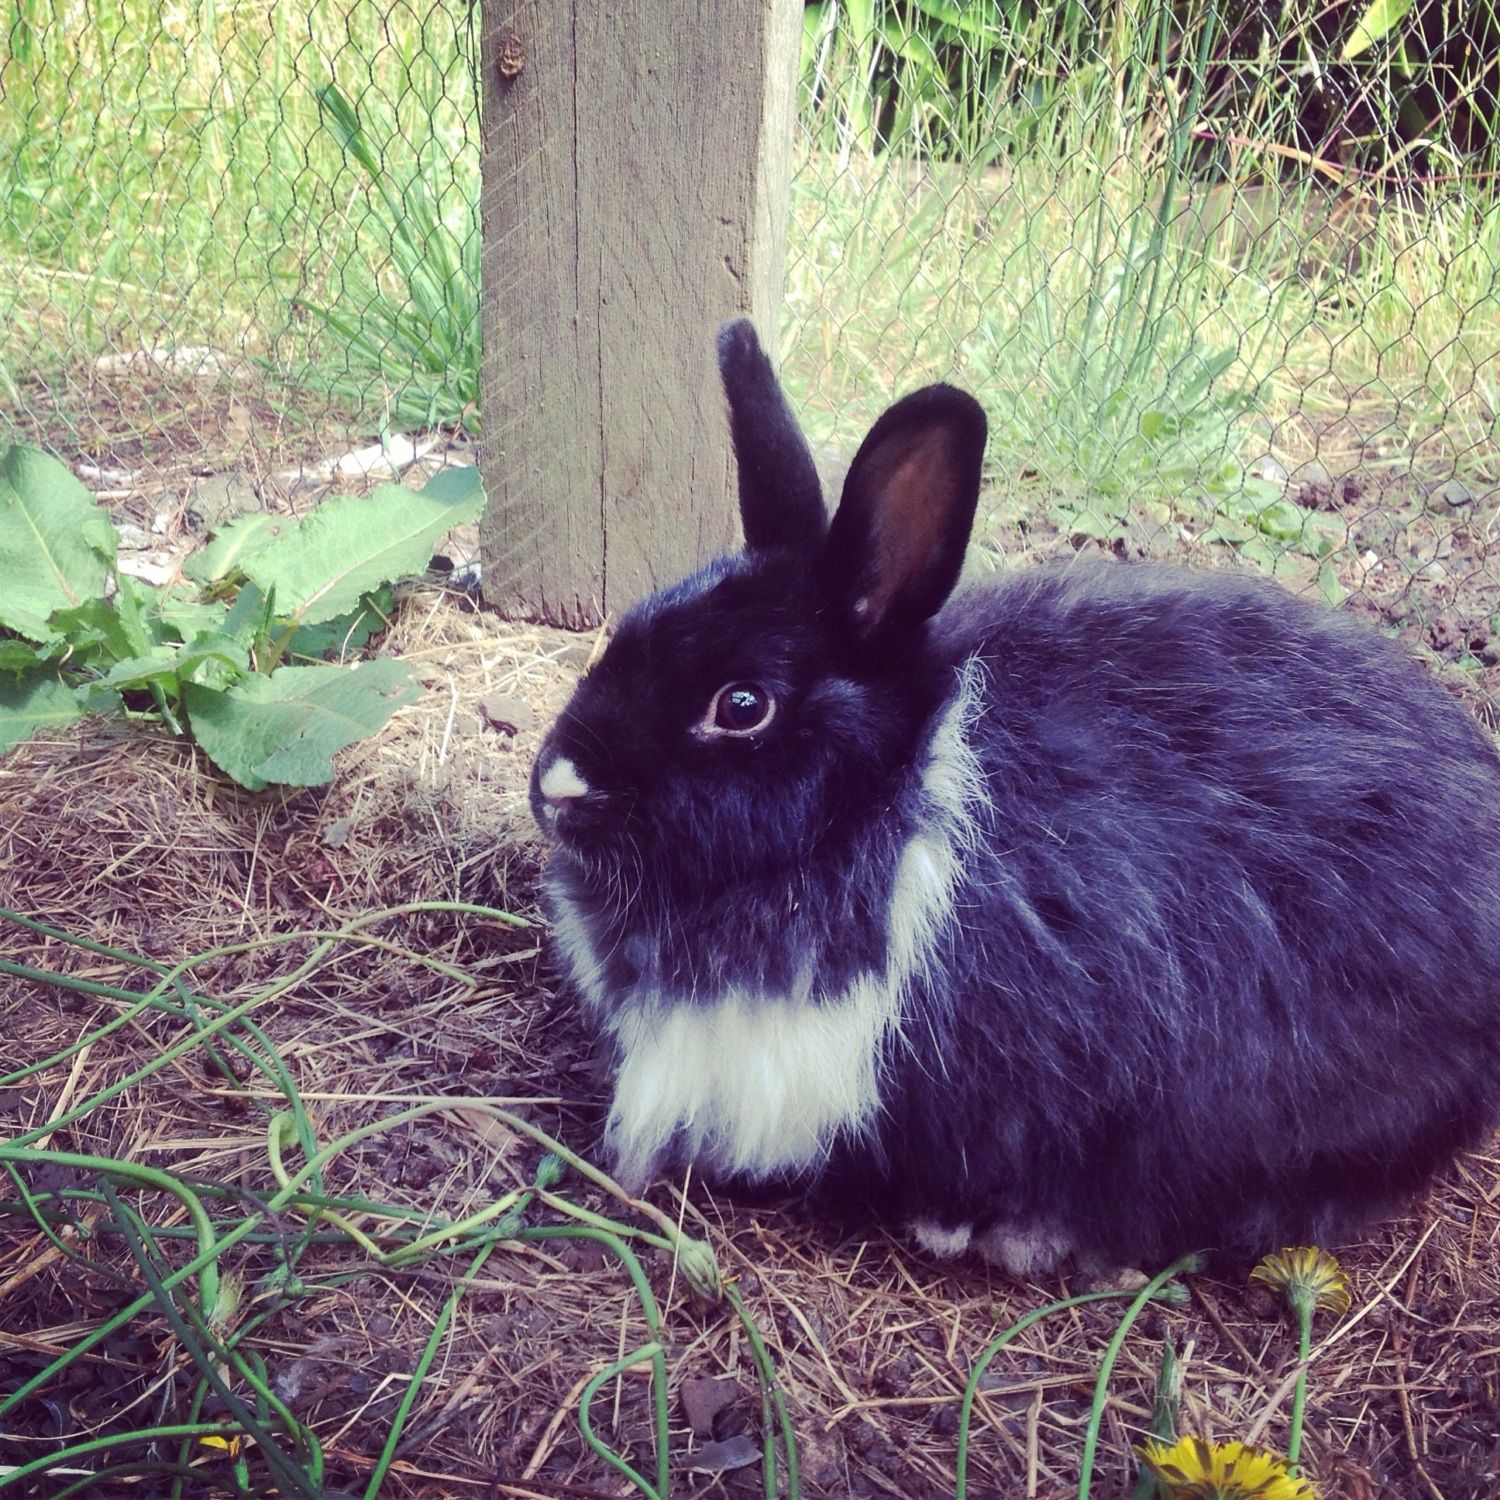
{"x":232,"y":544}
{"x":249,"y":617}
{"x":455,"y":485}
{"x":182,"y":617}
{"x":93,"y":629}
{"x":351,"y":632}
{"x":135,"y":603}
{"x":25,"y":656}
{"x":350,"y":545}
{"x":156,"y":666}
{"x":95,"y":698}
{"x":56,"y":545}
{"x":1227,"y":529}
{"x":1283,"y":520}
{"x":1086,"y":521}
{"x":1377,"y":23}
{"x":32,"y":703}
{"x":214,"y":658}
{"x":1261,"y":553}
{"x":287,"y":727}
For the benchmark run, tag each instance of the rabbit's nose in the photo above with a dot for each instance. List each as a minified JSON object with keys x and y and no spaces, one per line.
{"x":561,"y":786}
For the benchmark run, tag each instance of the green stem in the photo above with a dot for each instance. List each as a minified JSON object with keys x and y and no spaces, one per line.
{"x":653,"y":1352}
{"x":771,"y":1400}
{"x":971,"y":1390}
{"x":120,"y":1319}
{"x":1187,"y":1264}
{"x":210,"y":1355}
{"x":627,"y":1258}
{"x":113,"y":1440}
{"x":1299,"y":1395}
{"x":142,"y":1176}
{"x":414,"y":1385}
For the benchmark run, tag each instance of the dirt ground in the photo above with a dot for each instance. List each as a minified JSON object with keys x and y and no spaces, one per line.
{"x":119,"y":835}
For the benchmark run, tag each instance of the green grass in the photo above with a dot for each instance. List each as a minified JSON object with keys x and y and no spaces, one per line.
{"x":402,"y":333}
{"x":172,"y":179}
{"x":1151,"y":298}
{"x":1146,"y":289}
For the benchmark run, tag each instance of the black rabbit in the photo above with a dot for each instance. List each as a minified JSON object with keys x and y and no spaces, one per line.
{"x":1109,"y":909}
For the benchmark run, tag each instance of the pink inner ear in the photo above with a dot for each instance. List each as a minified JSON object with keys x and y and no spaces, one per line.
{"x":907,"y":526}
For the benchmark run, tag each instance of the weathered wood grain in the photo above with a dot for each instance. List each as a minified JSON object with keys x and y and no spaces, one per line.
{"x":635,"y":183}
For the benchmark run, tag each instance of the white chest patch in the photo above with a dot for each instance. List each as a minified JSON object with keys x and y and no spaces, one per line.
{"x":759,"y":1085}
{"x":748,"y":1084}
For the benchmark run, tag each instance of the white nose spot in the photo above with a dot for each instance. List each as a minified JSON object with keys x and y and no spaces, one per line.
{"x":561,"y":780}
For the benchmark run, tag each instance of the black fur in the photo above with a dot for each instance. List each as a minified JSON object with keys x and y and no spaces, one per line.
{"x":1224,"y":968}
{"x":781,"y":501}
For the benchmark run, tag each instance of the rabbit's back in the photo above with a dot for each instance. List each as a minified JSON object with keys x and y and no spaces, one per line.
{"x":1225,"y":963}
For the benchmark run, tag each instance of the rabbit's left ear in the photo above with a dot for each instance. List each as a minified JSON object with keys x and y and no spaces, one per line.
{"x":896,"y":545}
{"x":781,"y":500}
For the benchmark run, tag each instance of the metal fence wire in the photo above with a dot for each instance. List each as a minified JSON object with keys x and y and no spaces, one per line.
{"x":1223,"y":273}
{"x":239,"y":240}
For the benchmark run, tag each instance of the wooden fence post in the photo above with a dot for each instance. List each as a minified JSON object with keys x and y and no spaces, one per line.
{"x":636,"y":172}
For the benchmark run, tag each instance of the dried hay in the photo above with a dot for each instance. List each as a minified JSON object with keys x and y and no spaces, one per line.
{"x":124,"y":837}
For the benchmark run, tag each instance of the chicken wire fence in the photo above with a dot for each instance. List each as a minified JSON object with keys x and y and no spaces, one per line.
{"x":236,"y":237}
{"x":1223,"y":274}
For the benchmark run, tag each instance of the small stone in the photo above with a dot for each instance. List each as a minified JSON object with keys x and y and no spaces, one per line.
{"x":382,"y":458}
{"x":221,"y":497}
{"x":508,"y":714}
{"x":133,"y":538}
{"x":1454,"y":495}
{"x":104,"y":477}
{"x":1272,"y":470}
{"x":156,"y":568}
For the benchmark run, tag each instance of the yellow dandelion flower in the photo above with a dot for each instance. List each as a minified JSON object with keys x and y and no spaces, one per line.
{"x":1306,"y":1277}
{"x":228,"y":1446}
{"x":1192,"y":1469}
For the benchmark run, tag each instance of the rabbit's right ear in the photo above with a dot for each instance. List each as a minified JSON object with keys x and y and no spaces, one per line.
{"x":897,"y":540}
{"x":781,"y":500}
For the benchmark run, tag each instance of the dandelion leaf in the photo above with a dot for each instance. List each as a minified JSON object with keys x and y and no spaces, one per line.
{"x":56,"y":544}
{"x":287,"y":727}
{"x":232,"y":543}
{"x":352,"y":544}
{"x":32,"y":702}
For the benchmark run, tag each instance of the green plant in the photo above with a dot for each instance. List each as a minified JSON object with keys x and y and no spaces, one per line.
{"x":407,"y":321}
{"x":229,"y":659}
{"x":82,"y":1203}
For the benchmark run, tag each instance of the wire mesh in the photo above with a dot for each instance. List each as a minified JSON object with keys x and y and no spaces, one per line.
{"x":237,"y":239}
{"x":1223,"y":273}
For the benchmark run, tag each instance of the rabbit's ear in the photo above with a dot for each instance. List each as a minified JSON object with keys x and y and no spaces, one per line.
{"x":781,"y":501}
{"x":897,"y":542}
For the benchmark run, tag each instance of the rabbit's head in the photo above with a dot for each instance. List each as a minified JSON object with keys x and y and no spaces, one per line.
{"x":734,"y":715}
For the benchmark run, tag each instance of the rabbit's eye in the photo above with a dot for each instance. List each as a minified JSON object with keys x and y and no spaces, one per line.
{"x":739,"y":708}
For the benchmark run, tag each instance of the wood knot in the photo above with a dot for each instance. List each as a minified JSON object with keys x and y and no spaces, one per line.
{"x":512,"y":56}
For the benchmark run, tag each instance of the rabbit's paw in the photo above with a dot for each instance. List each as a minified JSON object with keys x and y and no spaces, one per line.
{"x":939,"y":1239}
{"x":1024,"y":1249}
